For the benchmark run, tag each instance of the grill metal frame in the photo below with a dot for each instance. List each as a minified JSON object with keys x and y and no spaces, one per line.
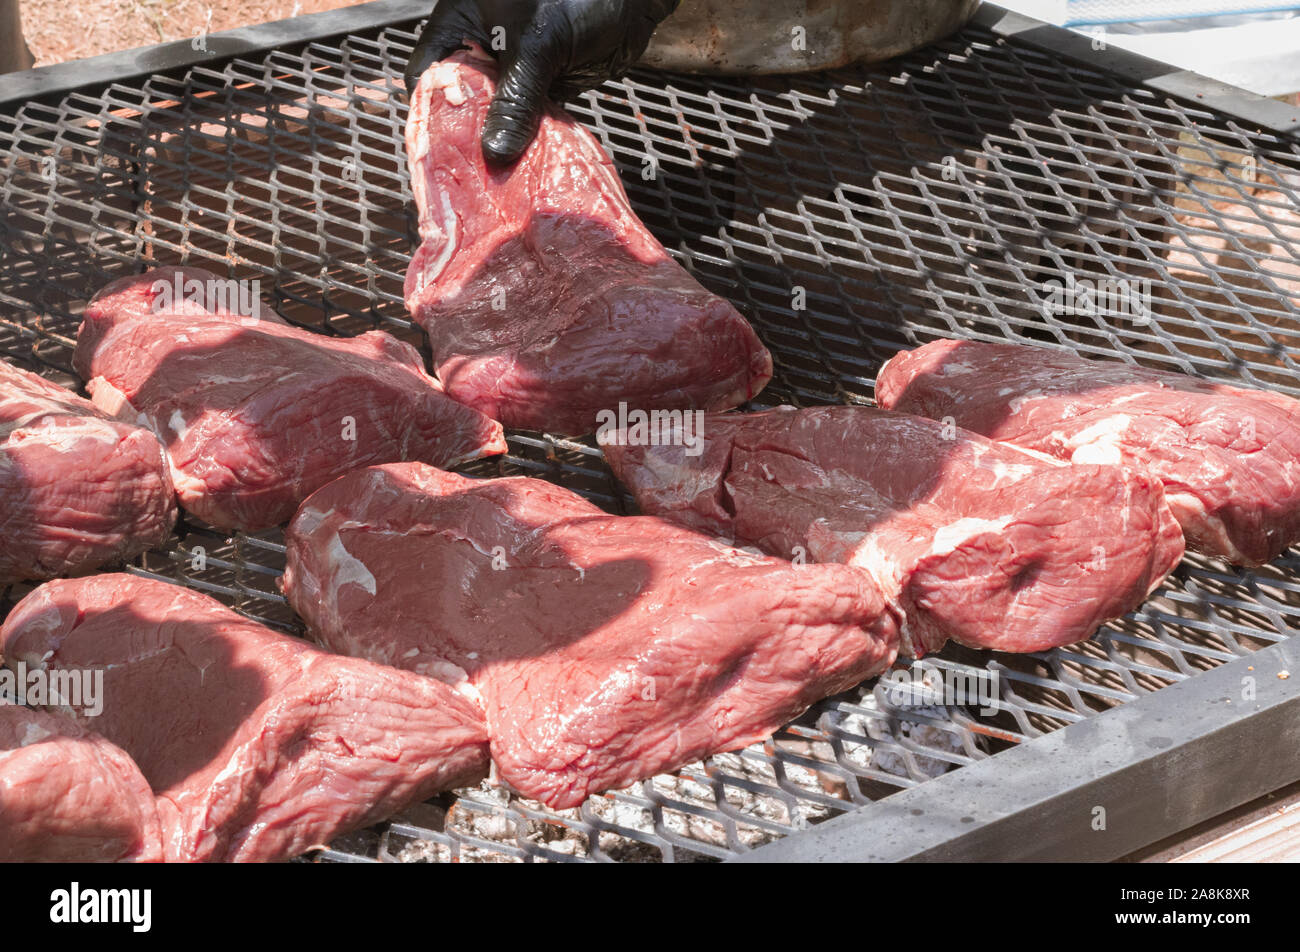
{"x":1094,"y":791}
{"x":834,"y":182}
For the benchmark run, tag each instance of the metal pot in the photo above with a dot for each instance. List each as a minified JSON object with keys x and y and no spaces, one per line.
{"x":793,"y":36}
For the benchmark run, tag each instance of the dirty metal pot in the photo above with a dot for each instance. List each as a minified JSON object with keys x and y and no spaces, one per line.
{"x":791,"y":36}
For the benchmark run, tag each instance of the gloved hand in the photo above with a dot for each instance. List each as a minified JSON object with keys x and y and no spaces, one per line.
{"x":555,"y":47}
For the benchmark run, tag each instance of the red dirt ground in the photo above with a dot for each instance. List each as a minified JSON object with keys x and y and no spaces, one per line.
{"x":58,"y":30}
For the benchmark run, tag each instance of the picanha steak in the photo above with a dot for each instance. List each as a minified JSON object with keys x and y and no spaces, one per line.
{"x":603,"y":649}
{"x":1229,"y":457}
{"x":545,"y":298}
{"x":256,"y":413}
{"x":258,"y":745}
{"x":68,"y":795}
{"x":77,"y":489}
{"x":969,"y":539}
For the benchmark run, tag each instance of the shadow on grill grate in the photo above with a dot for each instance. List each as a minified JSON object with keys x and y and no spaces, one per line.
{"x":847,"y":214}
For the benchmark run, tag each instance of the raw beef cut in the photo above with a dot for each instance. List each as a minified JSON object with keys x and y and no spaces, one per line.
{"x":972,"y":540}
{"x":77,"y":489}
{"x":68,"y":795}
{"x":1229,"y":457}
{"x":603,"y":649}
{"x":255,"y":413}
{"x":545,"y":298}
{"x":258,"y":745}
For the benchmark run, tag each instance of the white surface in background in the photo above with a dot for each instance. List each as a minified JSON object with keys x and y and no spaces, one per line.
{"x":1116,"y":11}
{"x":1259,"y":52}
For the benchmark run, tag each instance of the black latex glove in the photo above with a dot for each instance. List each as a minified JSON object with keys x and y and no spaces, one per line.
{"x":551,"y":47}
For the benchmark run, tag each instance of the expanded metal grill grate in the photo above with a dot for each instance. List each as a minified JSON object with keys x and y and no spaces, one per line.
{"x":847,"y":214}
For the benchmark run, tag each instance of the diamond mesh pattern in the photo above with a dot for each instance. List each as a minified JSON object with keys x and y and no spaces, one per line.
{"x":848,"y":214}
